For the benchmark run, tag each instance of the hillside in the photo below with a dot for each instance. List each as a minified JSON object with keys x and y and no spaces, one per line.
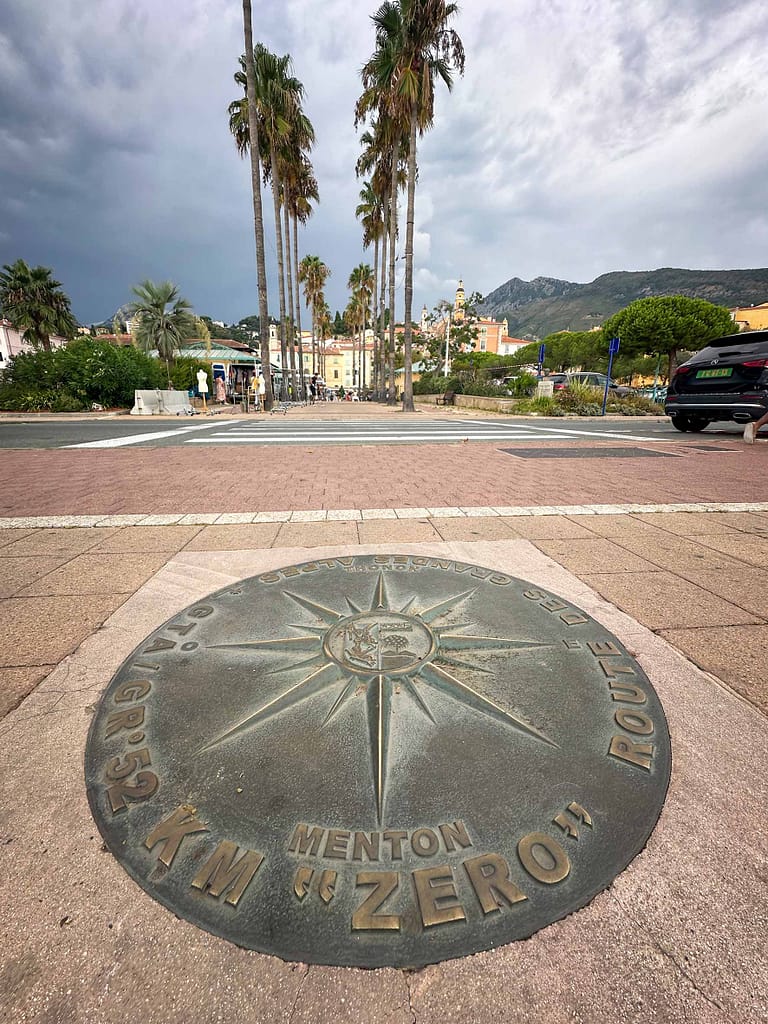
{"x":539,"y":307}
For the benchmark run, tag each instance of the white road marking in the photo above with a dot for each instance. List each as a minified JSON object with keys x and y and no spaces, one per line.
{"x":121,"y":442}
{"x":345,"y":438}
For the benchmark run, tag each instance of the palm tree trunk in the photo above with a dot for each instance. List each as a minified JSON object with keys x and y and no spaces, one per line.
{"x":382,"y":306}
{"x":258,"y":218}
{"x":374,"y":318}
{"x":298,"y":304}
{"x":280,"y":272}
{"x":392,"y":239}
{"x":289,"y":320}
{"x":408,"y":389}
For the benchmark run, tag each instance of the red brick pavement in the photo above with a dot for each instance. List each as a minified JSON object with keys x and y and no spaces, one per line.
{"x":237,"y":479}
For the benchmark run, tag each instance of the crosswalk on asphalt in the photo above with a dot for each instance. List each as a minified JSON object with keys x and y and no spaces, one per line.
{"x":384,"y":432}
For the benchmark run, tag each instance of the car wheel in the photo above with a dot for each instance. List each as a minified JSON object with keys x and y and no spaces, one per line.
{"x":697,"y":424}
{"x":680,"y":423}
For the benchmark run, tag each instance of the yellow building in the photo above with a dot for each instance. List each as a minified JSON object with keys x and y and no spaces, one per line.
{"x":751,"y":318}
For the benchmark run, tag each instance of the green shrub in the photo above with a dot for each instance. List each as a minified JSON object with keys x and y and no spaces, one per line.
{"x":72,"y":377}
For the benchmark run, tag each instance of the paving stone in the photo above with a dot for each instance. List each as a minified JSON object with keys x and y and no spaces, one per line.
{"x":43,"y":630}
{"x":9,"y":536}
{"x":744,"y":586}
{"x":314,"y":535}
{"x":661,"y":600}
{"x":594,"y":555}
{"x":59,"y":541}
{"x":23,"y":570}
{"x":475,"y":528}
{"x":234,"y":538}
{"x":620,"y":525}
{"x":98,"y":574}
{"x":148,"y":538}
{"x":691,"y":524}
{"x":549,"y":527}
{"x":668,"y":551}
{"x":753,"y":550}
{"x":17,"y":683}
{"x":387,"y":531}
{"x":736,"y":654}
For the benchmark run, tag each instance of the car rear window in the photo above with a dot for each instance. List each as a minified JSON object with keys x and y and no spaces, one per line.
{"x":749,"y":343}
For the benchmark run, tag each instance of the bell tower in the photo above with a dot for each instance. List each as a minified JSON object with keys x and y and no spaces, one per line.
{"x":459,"y":303}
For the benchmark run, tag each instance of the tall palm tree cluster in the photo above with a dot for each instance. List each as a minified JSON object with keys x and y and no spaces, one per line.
{"x":278,"y":136}
{"x":362,"y":285}
{"x":414,"y":47}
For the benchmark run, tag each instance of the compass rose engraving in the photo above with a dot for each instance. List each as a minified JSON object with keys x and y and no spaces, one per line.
{"x":387,"y":651}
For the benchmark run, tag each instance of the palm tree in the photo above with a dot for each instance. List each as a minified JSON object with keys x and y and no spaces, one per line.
{"x":384,"y":156}
{"x":246,"y":128}
{"x":163,"y":319}
{"x":362,"y":284}
{"x":414,"y":46}
{"x":370,"y":212}
{"x":313,"y":274}
{"x":33,"y":301}
{"x":302,"y":192}
{"x":276,"y":96}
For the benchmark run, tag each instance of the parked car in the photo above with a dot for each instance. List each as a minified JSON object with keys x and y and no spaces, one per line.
{"x":727,"y":380}
{"x":588,"y":379}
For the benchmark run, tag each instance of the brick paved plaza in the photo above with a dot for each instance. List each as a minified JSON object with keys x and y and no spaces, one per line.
{"x":679,"y":936}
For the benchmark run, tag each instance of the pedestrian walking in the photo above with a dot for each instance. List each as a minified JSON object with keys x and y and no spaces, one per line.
{"x":751,"y":429}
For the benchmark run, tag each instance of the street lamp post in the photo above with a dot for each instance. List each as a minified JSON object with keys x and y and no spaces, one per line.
{"x":447,"y":343}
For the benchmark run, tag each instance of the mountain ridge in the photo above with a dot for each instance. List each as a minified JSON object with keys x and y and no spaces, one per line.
{"x":544,"y":305}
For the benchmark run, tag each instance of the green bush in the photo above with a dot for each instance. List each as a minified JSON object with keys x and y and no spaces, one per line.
{"x":73,"y":377}
{"x":580,"y":400}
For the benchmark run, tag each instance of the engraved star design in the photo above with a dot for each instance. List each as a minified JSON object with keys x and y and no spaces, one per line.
{"x":326,"y":669}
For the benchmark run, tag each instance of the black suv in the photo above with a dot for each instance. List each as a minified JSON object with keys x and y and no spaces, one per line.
{"x":727,"y":380}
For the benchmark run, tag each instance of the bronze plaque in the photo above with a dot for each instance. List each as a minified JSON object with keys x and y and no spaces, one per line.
{"x":377,"y":760}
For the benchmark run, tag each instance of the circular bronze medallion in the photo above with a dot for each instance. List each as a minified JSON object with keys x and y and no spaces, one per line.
{"x":377,"y":760}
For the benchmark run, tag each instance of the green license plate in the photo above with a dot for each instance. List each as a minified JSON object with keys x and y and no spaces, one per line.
{"x":704,"y":374}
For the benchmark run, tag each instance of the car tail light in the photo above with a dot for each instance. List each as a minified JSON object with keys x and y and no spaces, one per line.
{"x":682,"y":369}
{"x":756,"y":362}
{"x":558,"y":387}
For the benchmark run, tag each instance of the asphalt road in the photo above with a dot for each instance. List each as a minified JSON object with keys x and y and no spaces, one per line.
{"x":279,"y":430}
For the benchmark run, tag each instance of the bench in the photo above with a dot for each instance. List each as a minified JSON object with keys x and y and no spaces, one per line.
{"x":446,"y":399}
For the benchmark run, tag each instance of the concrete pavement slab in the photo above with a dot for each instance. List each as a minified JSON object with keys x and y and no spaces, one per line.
{"x":148,"y":538}
{"x":16,"y":683}
{"x":691,"y":524}
{"x":216,"y":538}
{"x":43,"y":630}
{"x":743,"y":585}
{"x":316,"y":534}
{"x":72,"y":541}
{"x":98,"y":574}
{"x":594,"y":555}
{"x":19,"y":572}
{"x":401,"y":531}
{"x":679,"y":937}
{"x":754,"y":551}
{"x":9,"y":536}
{"x":616,"y":525}
{"x":736,"y":654}
{"x":665,"y":601}
{"x":669,"y":551}
{"x":549,"y":527}
{"x":475,"y":528}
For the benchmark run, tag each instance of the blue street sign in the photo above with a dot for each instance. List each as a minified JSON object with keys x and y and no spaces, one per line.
{"x":542,"y":349}
{"x":613,"y":348}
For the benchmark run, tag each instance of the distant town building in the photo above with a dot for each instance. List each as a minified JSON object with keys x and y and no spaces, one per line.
{"x":12,"y":342}
{"x":751,"y":318}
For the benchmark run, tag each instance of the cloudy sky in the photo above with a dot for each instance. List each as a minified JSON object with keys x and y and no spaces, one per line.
{"x":586,"y":136}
